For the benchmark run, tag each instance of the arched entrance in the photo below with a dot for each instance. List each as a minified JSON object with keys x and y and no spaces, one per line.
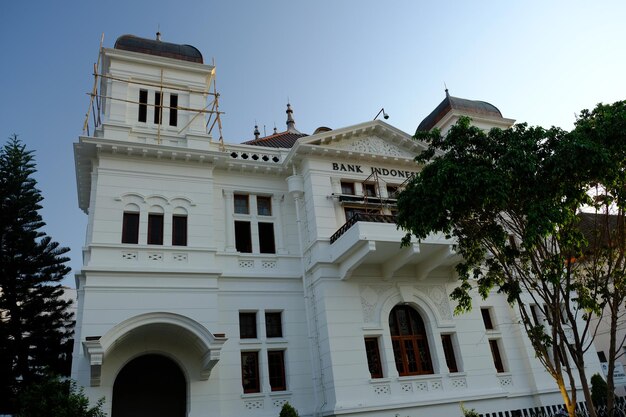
{"x":150,"y":386}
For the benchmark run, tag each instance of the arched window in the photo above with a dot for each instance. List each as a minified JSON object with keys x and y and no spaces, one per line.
{"x":410,"y":344}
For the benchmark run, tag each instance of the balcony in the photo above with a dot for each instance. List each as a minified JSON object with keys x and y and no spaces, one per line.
{"x":373,"y":241}
{"x":362,"y":217}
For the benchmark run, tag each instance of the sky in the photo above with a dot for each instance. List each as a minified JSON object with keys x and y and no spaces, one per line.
{"x":337,"y":61}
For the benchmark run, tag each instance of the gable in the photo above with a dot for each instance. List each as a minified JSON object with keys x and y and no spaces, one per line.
{"x":371,"y":144}
{"x":369,"y":140}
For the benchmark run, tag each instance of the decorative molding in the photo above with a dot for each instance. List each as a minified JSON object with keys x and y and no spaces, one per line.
{"x":506,"y":381}
{"x":382,"y":389}
{"x":253,"y":404}
{"x":439,"y":297}
{"x":458,"y":383}
{"x":210,"y":345}
{"x":95,"y":354}
{"x":373,"y":145}
{"x":370,"y":297}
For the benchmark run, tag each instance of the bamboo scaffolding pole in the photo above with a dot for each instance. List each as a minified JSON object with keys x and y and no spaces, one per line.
{"x":217,"y":115}
{"x":95,"y":88}
{"x":96,"y":98}
{"x":194,"y":117}
{"x":183,"y":108}
{"x":147,"y":84}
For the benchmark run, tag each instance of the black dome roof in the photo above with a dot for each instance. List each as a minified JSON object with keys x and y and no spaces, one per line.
{"x":464,"y":105}
{"x":156,"y":47}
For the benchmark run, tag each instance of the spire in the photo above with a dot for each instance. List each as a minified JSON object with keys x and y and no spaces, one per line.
{"x":446,"y":87}
{"x":291,"y":124}
{"x":256,"y":131}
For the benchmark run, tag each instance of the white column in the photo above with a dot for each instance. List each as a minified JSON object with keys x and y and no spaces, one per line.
{"x":229,"y":227}
{"x":278,"y":224}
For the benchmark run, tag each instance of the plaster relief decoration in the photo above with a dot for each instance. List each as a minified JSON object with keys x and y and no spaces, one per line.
{"x":373,"y":145}
{"x":370,"y":297}
{"x":439,"y":297}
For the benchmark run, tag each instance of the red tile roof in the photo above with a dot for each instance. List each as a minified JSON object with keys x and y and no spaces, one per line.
{"x":284,"y":139}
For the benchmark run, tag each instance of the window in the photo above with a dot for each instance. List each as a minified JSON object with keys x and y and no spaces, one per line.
{"x":276,"y":368}
{"x":241,"y":204}
{"x":243,"y":239}
{"x":247,"y":325}
{"x":179,"y":230}
{"x":250,"y":372}
{"x":392,"y":191}
{"x":155,"y":229}
{"x":173,"y":109}
{"x":130,"y":227}
{"x":143,"y":106}
{"x":410,"y":344}
{"x":351,"y":211}
{"x":533,"y":312}
{"x":266,"y":238}
{"x":369,"y":190}
{"x":602,"y":356}
{"x":264,"y":206}
{"x":158,"y":105}
{"x":486,"y":312}
{"x":373,"y":357}
{"x":273,"y":324}
{"x":548,"y":314}
{"x":347,"y":188}
{"x":448,"y":350}
{"x":495,"y":352}
{"x":250,"y":232}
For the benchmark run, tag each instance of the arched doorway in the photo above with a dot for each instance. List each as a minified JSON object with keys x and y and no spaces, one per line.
{"x":150,"y":386}
{"x":409,"y":340}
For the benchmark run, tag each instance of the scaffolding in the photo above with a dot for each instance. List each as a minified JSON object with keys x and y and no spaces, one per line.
{"x":373,"y":199}
{"x":96,"y":97}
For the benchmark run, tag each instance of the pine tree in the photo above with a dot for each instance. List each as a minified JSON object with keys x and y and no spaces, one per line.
{"x":35,"y":325}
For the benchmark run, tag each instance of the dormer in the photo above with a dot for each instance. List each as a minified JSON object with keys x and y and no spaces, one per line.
{"x":154,"y":92}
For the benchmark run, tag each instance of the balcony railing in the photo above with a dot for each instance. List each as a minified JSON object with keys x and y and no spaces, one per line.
{"x":362,"y":217}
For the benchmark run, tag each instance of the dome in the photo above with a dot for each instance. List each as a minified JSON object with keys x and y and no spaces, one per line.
{"x":322,"y":129}
{"x":158,"y":48}
{"x":469,"y":107}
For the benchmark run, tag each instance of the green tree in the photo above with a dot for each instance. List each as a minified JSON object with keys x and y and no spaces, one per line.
{"x":288,"y":411}
{"x":53,"y":396}
{"x":602,"y":271}
{"x":35,"y":325}
{"x":511,"y":200}
{"x":598,"y":390}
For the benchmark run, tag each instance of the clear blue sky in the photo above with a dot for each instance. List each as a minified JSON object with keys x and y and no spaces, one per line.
{"x":338,"y":61}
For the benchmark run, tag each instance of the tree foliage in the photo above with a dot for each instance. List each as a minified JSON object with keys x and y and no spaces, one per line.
{"x":53,"y":396}
{"x":288,"y":411}
{"x":598,"y":389}
{"x":35,"y":325}
{"x":511,"y":199}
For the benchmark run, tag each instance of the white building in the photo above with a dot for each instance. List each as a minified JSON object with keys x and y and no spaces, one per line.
{"x":227,"y":279}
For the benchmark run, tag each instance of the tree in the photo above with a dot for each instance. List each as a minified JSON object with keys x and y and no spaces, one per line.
{"x":35,"y":324}
{"x":598,"y":390}
{"x":54,"y":396}
{"x":602,"y":272}
{"x":288,"y":411}
{"x":511,"y":199}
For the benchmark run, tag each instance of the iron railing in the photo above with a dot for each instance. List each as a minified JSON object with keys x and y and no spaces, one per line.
{"x":362,"y":217}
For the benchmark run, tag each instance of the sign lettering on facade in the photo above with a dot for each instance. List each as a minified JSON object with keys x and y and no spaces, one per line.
{"x":380,"y":171}
{"x":619,"y":377}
